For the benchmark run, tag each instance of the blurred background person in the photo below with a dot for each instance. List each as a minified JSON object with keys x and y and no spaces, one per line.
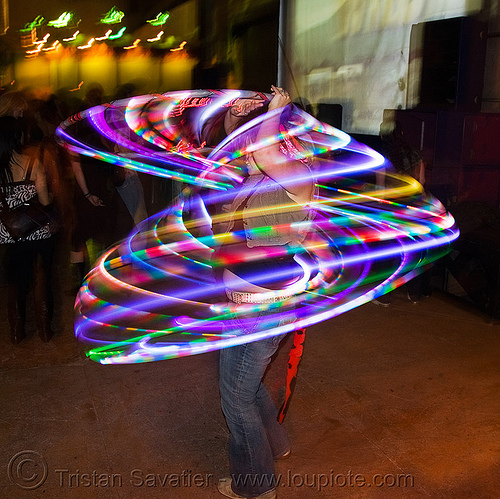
{"x":100,"y":217}
{"x":406,"y":160}
{"x":22,"y":178}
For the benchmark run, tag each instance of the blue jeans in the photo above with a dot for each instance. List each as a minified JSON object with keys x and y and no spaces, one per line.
{"x":256,"y":437}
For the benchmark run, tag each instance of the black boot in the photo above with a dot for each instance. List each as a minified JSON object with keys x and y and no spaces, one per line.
{"x":17,"y":319}
{"x":45,"y":322}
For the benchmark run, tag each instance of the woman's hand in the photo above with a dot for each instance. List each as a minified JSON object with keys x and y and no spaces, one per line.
{"x":281,"y":98}
{"x":95,"y":200}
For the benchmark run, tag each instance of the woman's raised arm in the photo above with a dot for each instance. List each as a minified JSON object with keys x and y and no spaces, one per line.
{"x":294,"y":176}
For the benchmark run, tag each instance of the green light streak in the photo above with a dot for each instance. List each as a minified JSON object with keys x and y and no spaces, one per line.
{"x":36,"y":23}
{"x":62,"y":21}
{"x":113,"y":16}
{"x":160,"y":19}
{"x":118,"y":35}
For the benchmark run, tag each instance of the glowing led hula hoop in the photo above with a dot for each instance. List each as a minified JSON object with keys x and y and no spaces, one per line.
{"x":154,"y":296}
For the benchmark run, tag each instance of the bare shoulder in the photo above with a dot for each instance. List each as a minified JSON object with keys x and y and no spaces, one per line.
{"x":30,"y":156}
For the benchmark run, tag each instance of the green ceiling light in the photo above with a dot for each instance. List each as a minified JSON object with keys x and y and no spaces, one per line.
{"x":118,"y":35}
{"x":36,"y":23}
{"x":160,"y":19}
{"x":114,"y":16}
{"x":62,"y":21}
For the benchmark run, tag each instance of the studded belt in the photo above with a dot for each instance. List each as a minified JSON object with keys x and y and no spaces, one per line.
{"x":264,"y":297}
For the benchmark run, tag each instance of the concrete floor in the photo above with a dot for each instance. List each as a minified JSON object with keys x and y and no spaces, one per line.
{"x":390,"y":402}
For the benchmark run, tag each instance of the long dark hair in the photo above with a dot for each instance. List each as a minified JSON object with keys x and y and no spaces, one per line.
{"x":11,"y":136}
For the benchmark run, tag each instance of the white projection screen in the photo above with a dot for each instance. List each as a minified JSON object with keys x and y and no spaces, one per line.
{"x":356,"y":53}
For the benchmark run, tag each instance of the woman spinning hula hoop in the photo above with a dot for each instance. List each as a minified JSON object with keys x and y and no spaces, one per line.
{"x":274,"y":179}
{"x":278,"y":268}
